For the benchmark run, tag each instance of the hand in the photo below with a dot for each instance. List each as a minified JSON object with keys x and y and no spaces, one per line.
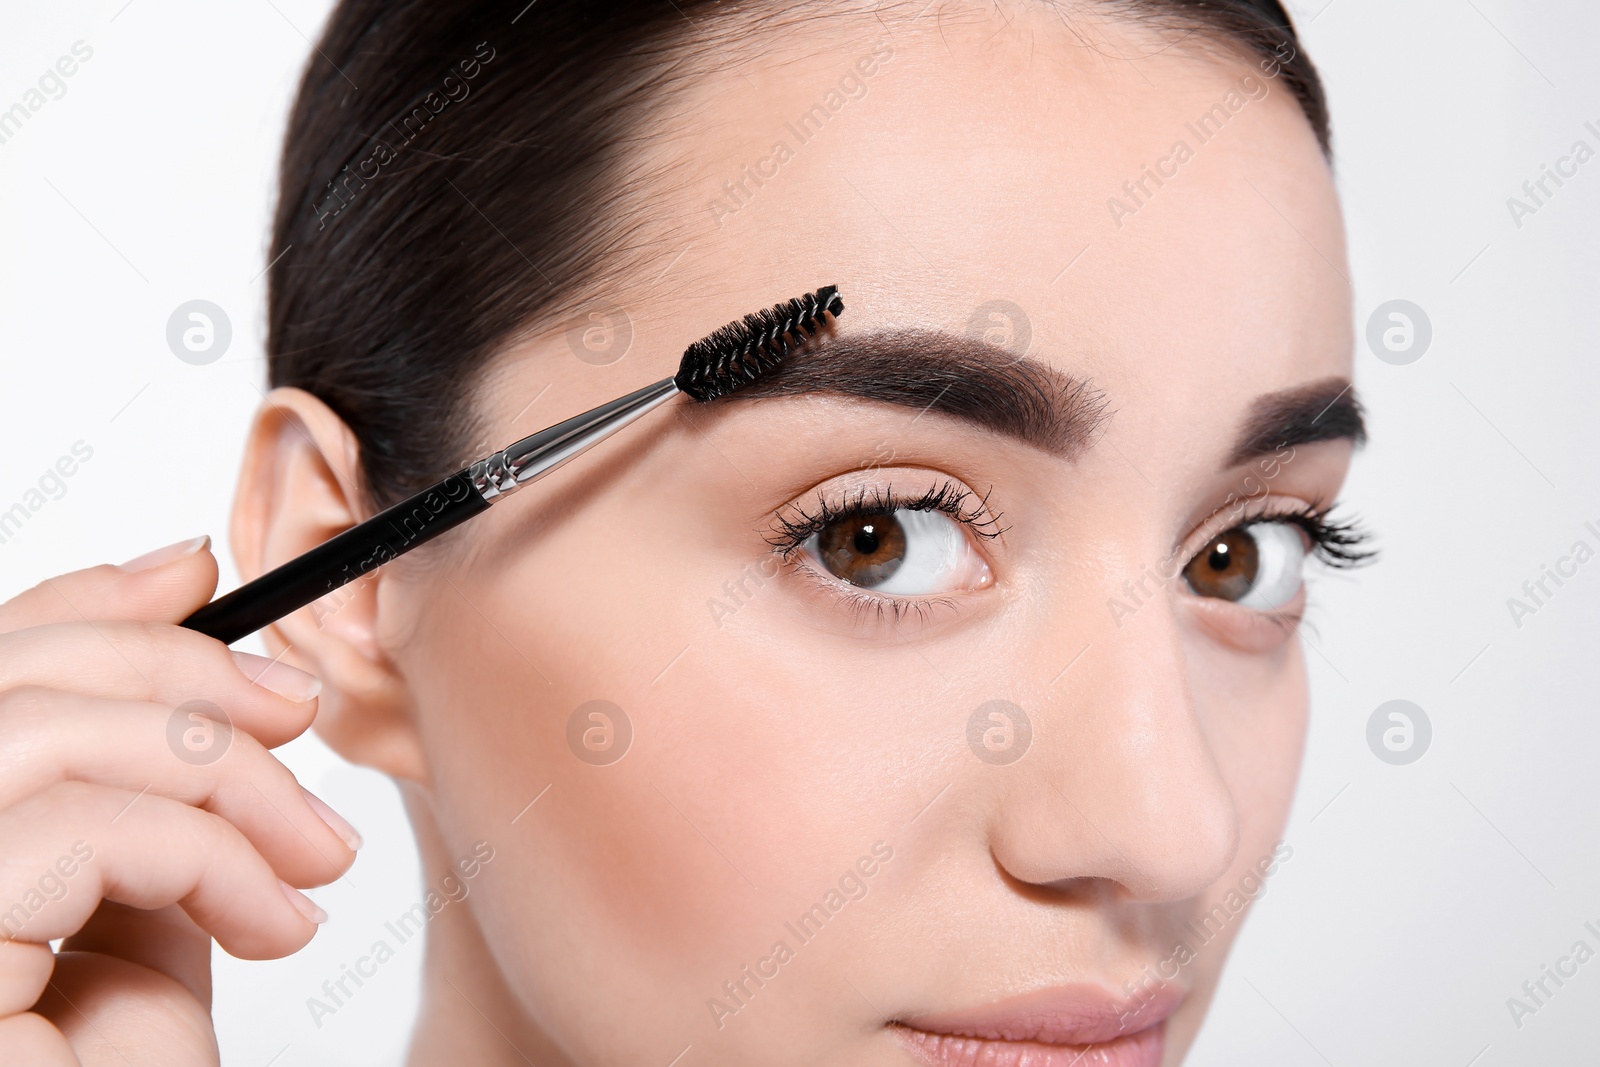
{"x":136,"y":822}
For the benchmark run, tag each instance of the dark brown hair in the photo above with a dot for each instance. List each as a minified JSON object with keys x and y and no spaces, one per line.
{"x":456,"y":171}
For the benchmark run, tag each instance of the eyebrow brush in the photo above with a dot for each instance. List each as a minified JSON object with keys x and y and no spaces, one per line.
{"x":727,"y":360}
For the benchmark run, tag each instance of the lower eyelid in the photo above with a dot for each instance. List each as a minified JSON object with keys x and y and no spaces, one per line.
{"x":1248,"y":629}
{"x":859,"y":602}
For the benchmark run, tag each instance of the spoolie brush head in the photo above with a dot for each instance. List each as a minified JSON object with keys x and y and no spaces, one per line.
{"x":743,"y":351}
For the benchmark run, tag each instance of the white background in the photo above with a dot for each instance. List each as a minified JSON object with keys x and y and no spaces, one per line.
{"x":1419,"y":898}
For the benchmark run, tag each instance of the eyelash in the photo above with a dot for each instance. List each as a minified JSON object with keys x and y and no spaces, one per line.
{"x":1341,"y":544}
{"x":1337,"y":543}
{"x":796,"y":526}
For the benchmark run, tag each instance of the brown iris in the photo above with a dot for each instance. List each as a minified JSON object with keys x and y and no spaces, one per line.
{"x":1226,"y":569}
{"x":863,"y":549}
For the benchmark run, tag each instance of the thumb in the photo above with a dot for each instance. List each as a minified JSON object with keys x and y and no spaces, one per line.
{"x":161,"y":586}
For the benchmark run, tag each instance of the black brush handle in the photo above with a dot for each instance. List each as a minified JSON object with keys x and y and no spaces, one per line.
{"x":735,"y":355}
{"x":340,"y":560}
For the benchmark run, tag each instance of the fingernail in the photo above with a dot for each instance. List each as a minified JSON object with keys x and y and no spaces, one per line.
{"x":304,"y":904}
{"x":152,"y":560}
{"x":347,"y":833}
{"x":290,"y":682}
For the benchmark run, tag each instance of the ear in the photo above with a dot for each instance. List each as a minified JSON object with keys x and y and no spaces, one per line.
{"x":297,"y":488}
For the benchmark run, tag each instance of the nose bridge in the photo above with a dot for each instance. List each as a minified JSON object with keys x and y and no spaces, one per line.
{"x":1121,"y":783}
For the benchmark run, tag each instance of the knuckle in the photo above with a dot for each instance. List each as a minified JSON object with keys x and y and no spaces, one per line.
{"x":25,"y":708}
{"x":252,"y":752}
{"x":173,"y":649}
{"x":211,"y":832}
{"x":74,"y":800}
{"x":27,"y":714}
{"x":243,"y":752}
{"x":140,"y":638}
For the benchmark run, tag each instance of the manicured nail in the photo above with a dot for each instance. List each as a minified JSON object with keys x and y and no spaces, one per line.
{"x":286,"y":681}
{"x":152,"y":560}
{"x":304,"y":904}
{"x":347,"y":833}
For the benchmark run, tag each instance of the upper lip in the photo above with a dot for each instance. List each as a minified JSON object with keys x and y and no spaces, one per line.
{"x":1060,"y":1015}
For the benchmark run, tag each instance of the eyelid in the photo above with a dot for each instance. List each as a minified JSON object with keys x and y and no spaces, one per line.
{"x":1222,"y":520}
{"x":796,"y":520}
{"x":839,"y":500}
{"x":861,"y":602}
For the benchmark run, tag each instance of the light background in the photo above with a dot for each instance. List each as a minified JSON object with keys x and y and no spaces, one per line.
{"x":1419,"y":898}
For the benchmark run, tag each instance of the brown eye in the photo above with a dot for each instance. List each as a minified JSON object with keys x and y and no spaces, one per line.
{"x":1259,"y":566}
{"x":863,"y":549}
{"x":1226,"y":569}
{"x":895,"y":551}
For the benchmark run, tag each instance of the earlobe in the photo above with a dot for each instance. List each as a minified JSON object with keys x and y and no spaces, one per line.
{"x":297,"y":488}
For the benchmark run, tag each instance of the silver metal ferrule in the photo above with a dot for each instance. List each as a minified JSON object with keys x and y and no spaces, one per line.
{"x":537,"y":455}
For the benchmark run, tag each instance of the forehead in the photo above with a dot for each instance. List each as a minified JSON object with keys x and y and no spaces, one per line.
{"x":1157,"y":217}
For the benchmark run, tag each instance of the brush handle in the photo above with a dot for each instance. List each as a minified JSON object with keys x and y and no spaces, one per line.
{"x":417,"y":520}
{"x":340,"y":560}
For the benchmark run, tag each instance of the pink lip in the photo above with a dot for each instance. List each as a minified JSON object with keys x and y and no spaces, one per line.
{"x":1068,"y":1025}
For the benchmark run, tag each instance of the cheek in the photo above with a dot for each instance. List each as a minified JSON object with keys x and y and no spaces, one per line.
{"x":1254,"y":707}
{"x":563,"y":702}
{"x":734,"y":805}
{"x":1255,"y":711}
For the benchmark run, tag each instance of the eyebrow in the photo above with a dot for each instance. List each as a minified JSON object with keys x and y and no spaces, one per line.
{"x":1325,"y":410}
{"x":929,"y":370}
{"x":1026,"y":399}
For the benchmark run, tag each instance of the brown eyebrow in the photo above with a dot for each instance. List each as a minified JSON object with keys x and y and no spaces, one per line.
{"x":1323,"y":410}
{"x":962,"y":377}
{"x":1027,"y":399}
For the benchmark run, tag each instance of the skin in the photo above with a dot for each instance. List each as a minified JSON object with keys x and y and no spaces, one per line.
{"x":775,"y":744}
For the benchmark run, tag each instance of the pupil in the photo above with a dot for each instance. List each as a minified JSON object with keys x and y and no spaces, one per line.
{"x":1228,"y":569}
{"x":864,"y":549}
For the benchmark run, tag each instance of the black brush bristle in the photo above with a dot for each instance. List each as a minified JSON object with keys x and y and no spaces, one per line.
{"x":743,"y":351}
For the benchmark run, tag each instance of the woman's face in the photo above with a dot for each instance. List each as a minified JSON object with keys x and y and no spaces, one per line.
{"x":928,"y":706}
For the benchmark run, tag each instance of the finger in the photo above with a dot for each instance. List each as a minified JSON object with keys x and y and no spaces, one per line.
{"x":112,"y":1011}
{"x":48,"y":737}
{"x":32,"y":1040}
{"x":164,"y":586}
{"x":24,"y":970}
{"x":164,"y":664}
{"x":147,"y":852}
{"x":165,"y":940}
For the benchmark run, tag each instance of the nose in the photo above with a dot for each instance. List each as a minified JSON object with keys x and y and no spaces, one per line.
{"x":1121,"y":784}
